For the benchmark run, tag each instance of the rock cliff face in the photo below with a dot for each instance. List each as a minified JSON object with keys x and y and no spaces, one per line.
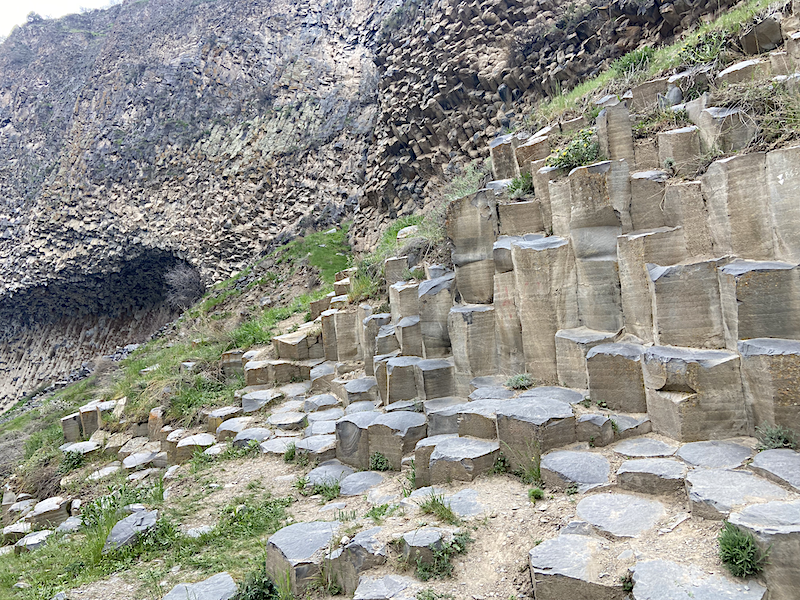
{"x":165,"y":131}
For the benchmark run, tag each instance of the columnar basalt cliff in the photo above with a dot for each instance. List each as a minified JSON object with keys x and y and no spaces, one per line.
{"x":166,"y":132}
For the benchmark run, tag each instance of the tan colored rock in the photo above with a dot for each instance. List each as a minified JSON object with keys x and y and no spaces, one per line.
{"x":770,"y":370}
{"x":572,"y":346}
{"x":615,"y":376}
{"x":679,"y":150}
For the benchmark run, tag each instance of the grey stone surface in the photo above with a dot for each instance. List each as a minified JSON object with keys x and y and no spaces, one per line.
{"x":71,"y":525}
{"x":299,"y":549}
{"x":776,"y":528}
{"x":320,"y":428}
{"x":255,"y":401}
{"x":194,"y":443}
{"x":461,"y":459}
{"x":645,"y":448}
{"x":32,"y":541}
{"x":714,"y":454}
{"x":465,"y":504}
{"x":320,"y":402}
{"x":127,"y":530}
{"x":277,"y":445}
{"x":652,"y":475}
{"x":396,"y":434}
{"x":554,"y":393}
{"x":491,"y":393}
{"x":49,"y":513}
{"x":631,"y":425}
{"x":329,"y":414}
{"x":568,"y":567}
{"x":781,"y":465}
{"x":253,"y":434}
{"x":360,"y":482}
{"x":218,"y":587}
{"x":137,"y":460}
{"x":82,"y":447}
{"x":352,"y":438}
{"x":417,"y":544}
{"x":320,"y":447}
{"x":666,"y":580}
{"x":365,"y":551}
{"x":563,"y":468}
{"x":620,"y":515}
{"x":390,"y":587}
{"x":595,"y":429}
{"x":361,"y":406}
{"x":288,"y":420}
{"x":713,"y":493}
{"x":331,"y":471}
{"x":13,"y":533}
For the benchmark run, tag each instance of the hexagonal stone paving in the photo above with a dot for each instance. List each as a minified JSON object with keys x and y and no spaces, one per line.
{"x":665,"y":580}
{"x":652,"y":475}
{"x":360,"y":482}
{"x":620,"y":515}
{"x":715,"y":454}
{"x":564,"y":468}
{"x":780,"y":465}
{"x":645,"y":448}
{"x":713,"y":493}
{"x":567,"y":567}
{"x":331,"y":471}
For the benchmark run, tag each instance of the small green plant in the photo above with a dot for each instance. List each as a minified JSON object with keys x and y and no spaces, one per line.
{"x":441,"y":566}
{"x":257,"y":585}
{"x":379,"y":512}
{"x":775,"y":436}
{"x":535,"y":494}
{"x":529,"y":461}
{"x":434,"y":504}
{"x":520,"y":186}
{"x":252,"y":515}
{"x":739,"y":552}
{"x":345,"y":515}
{"x":70,"y":461}
{"x":328,"y":490}
{"x":705,"y":49}
{"x":379,"y":462}
{"x":634,"y":62}
{"x":523,"y":381}
{"x":501,"y":464}
{"x":627,"y":582}
{"x":290,"y":453}
{"x":571,"y":489}
{"x":584,"y":149}
{"x":586,"y":402}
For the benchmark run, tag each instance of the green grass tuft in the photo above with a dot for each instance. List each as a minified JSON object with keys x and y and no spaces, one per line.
{"x":434,"y":504}
{"x":739,"y":552}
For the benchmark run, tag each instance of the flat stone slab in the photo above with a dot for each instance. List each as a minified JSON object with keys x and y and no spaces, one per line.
{"x":331,"y":471}
{"x":137,"y":460}
{"x":83,"y":447}
{"x":277,"y":445}
{"x":288,"y":420}
{"x":198,"y":442}
{"x":228,"y":429}
{"x":465,"y":504}
{"x":289,"y":406}
{"x":218,"y":587}
{"x":50,"y":512}
{"x":491,"y":393}
{"x":620,"y":515}
{"x":32,"y":541}
{"x":461,"y":458}
{"x":320,"y":402}
{"x":359,"y":483}
{"x":713,"y":493}
{"x":323,"y":447}
{"x":418,"y":544}
{"x":564,"y":567}
{"x":631,"y":425}
{"x":253,"y":434}
{"x":554,"y":393}
{"x":71,"y":525}
{"x":652,"y":475}
{"x":715,"y":454}
{"x":330,"y":414}
{"x":360,"y":406}
{"x":17,"y":531}
{"x":320,"y":428}
{"x":391,"y":587}
{"x":127,"y":530}
{"x":300,"y":547}
{"x":255,"y":401}
{"x":645,"y":448}
{"x":780,"y":465}
{"x":666,"y":580}
{"x":564,"y":468}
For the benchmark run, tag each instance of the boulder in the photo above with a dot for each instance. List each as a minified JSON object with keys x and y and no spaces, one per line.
{"x":128,"y":530}
{"x":396,"y":434}
{"x":652,"y":475}
{"x":297,"y":551}
{"x":217,"y":587}
{"x":461,"y":459}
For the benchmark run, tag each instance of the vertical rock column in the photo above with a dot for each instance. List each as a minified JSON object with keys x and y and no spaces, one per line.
{"x":544,"y":272}
{"x":472,"y":229}
{"x":508,"y":331}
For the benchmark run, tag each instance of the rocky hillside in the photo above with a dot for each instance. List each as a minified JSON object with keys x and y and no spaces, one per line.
{"x":159,"y":133}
